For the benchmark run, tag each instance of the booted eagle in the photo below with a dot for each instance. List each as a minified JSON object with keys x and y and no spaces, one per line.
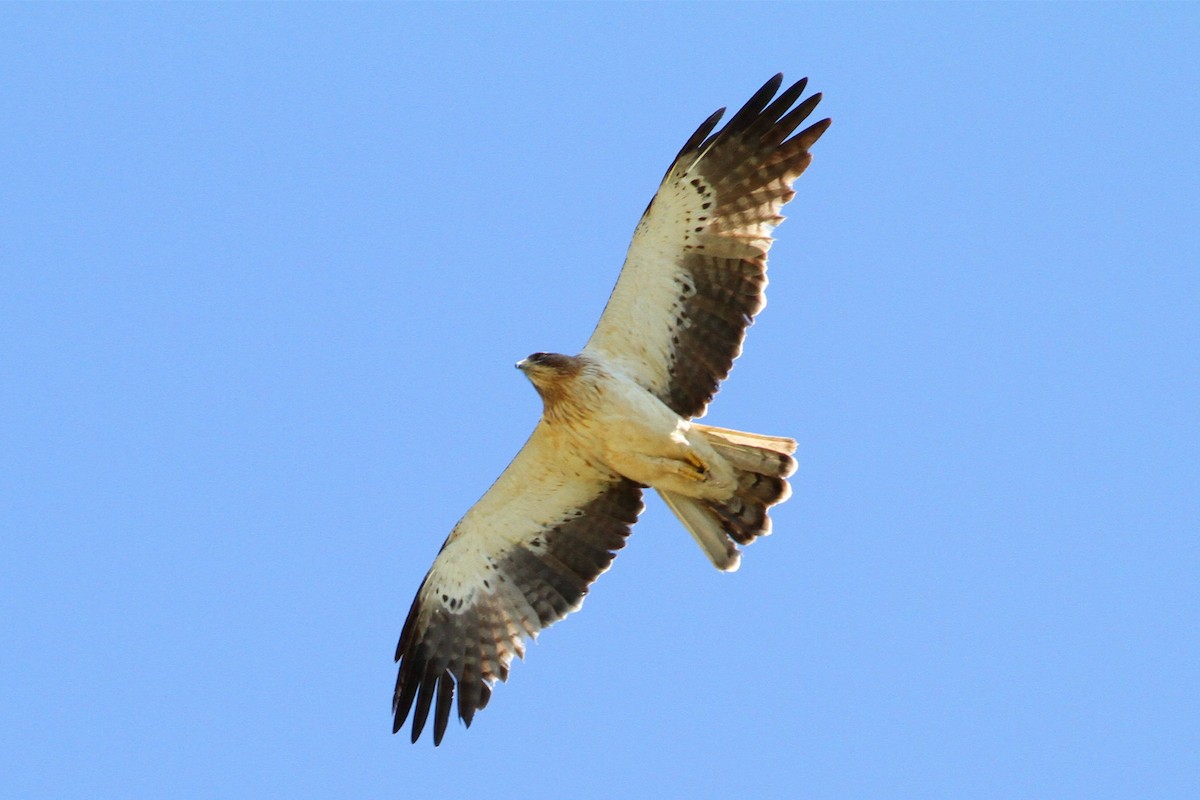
{"x":617,"y":419}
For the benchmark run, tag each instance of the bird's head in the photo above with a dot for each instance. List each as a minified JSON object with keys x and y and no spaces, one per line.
{"x":549,"y":372}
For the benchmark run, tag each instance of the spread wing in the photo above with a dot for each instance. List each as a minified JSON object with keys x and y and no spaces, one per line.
{"x":521,"y":559}
{"x":695,"y":273}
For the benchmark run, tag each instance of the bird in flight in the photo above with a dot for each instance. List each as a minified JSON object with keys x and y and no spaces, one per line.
{"x":618,"y":418}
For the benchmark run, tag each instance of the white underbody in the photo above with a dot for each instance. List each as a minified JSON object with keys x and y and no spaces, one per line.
{"x":636,"y":435}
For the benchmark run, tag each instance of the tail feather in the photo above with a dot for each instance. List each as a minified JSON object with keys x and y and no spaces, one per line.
{"x":706,"y":529}
{"x":762,"y":464}
{"x":764,"y":455}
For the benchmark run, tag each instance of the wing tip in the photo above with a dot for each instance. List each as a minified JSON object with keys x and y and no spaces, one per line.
{"x":697,"y":139}
{"x":768,"y":115}
{"x":809,"y":136}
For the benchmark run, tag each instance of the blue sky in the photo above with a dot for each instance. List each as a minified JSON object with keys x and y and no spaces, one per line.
{"x":264,"y":272}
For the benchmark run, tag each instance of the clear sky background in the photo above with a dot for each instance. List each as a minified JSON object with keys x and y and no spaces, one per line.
{"x":265,"y":270}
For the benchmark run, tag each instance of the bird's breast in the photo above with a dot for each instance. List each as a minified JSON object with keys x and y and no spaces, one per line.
{"x":606,"y":412}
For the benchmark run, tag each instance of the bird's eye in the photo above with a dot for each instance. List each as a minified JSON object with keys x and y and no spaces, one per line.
{"x":538,"y":358}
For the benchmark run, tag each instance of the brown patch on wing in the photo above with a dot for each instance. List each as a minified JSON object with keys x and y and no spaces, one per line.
{"x":451,"y":643}
{"x":712,"y":313}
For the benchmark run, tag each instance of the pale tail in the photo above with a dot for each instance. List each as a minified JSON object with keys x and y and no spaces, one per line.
{"x":763,"y":464}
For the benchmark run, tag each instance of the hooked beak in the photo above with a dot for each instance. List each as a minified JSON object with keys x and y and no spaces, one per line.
{"x":522,"y":364}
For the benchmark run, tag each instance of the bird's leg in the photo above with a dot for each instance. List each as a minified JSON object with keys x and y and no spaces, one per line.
{"x":698,"y":471}
{"x":687,"y":466}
